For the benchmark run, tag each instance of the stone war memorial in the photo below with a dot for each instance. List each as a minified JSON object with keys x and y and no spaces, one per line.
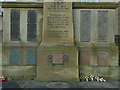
{"x":60,"y":41}
{"x":58,"y":55}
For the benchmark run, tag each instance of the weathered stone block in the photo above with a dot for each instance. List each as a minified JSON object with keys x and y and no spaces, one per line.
{"x":118,"y":73}
{"x":103,"y":57}
{"x":114,"y":73}
{"x":114,"y":56}
{"x":86,"y":70}
{"x":104,"y":71}
{"x":47,"y":71}
{"x":109,"y":73}
{"x":18,"y":71}
{"x":85,"y":57}
{"x":58,"y":26}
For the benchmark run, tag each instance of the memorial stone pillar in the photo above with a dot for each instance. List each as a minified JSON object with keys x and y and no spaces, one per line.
{"x":57,"y":56}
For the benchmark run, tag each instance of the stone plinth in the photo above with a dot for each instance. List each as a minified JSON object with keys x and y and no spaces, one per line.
{"x":57,"y":64}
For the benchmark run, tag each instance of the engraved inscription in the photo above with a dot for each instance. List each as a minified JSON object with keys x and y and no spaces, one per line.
{"x":58,"y":22}
{"x":103,"y":58}
{"x":58,"y":58}
{"x":102,"y":26}
{"x":85,"y":26}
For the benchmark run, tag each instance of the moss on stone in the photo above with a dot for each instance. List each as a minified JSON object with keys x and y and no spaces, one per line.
{"x":107,"y":5}
{"x":94,"y":49}
{"x":84,"y":66}
{"x":113,"y":49}
{"x":29,"y":77}
{"x":82,"y":76}
{"x":103,"y":65}
{"x":57,"y":48}
{"x":79,"y":66}
{"x":74,"y":80}
{"x":21,"y":4}
{"x":95,"y":5}
{"x":77,"y":43}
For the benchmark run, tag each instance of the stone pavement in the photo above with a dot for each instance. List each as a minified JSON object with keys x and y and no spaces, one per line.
{"x":82,"y":84}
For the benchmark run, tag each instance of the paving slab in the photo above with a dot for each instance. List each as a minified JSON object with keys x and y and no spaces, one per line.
{"x":82,"y":84}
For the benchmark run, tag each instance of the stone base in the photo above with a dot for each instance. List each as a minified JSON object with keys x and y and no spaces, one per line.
{"x":119,"y":74}
{"x":18,"y":71}
{"x":108,"y":73}
{"x":54,"y":71}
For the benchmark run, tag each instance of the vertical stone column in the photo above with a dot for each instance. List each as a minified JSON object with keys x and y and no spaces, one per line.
{"x":1,"y":20}
{"x":6,"y":25}
{"x":119,"y":18}
{"x":119,"y":34}
{"x":23,"y":25}
{"x":0,"y":62}
{"x":111,"y":26}
{"x":94,"y":24}
{"x":77,"y":24}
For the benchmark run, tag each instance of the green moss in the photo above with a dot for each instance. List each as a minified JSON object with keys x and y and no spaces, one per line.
{"x":95,"y":5}
{"x":22,"y":43}
{"x":4,"y":43}
{"x":21,"y":4}
{"x":77,"y":44}
{"x":103,"y":65}
{"x":85,"y":66}
{"x":5,"y":75}
{"x":65,"y":80}
{"x":92,"y":44}
{"x":113,"y":49}
{"x":19,"y":65}
{"x":58,"y":48}
{"x":94,"y":49}
{"x":18,"y":77}
{"x":75,"y":5}
{"x":29,"y":77}
{"x":74,"y":80}
{"x":82,"y":77}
